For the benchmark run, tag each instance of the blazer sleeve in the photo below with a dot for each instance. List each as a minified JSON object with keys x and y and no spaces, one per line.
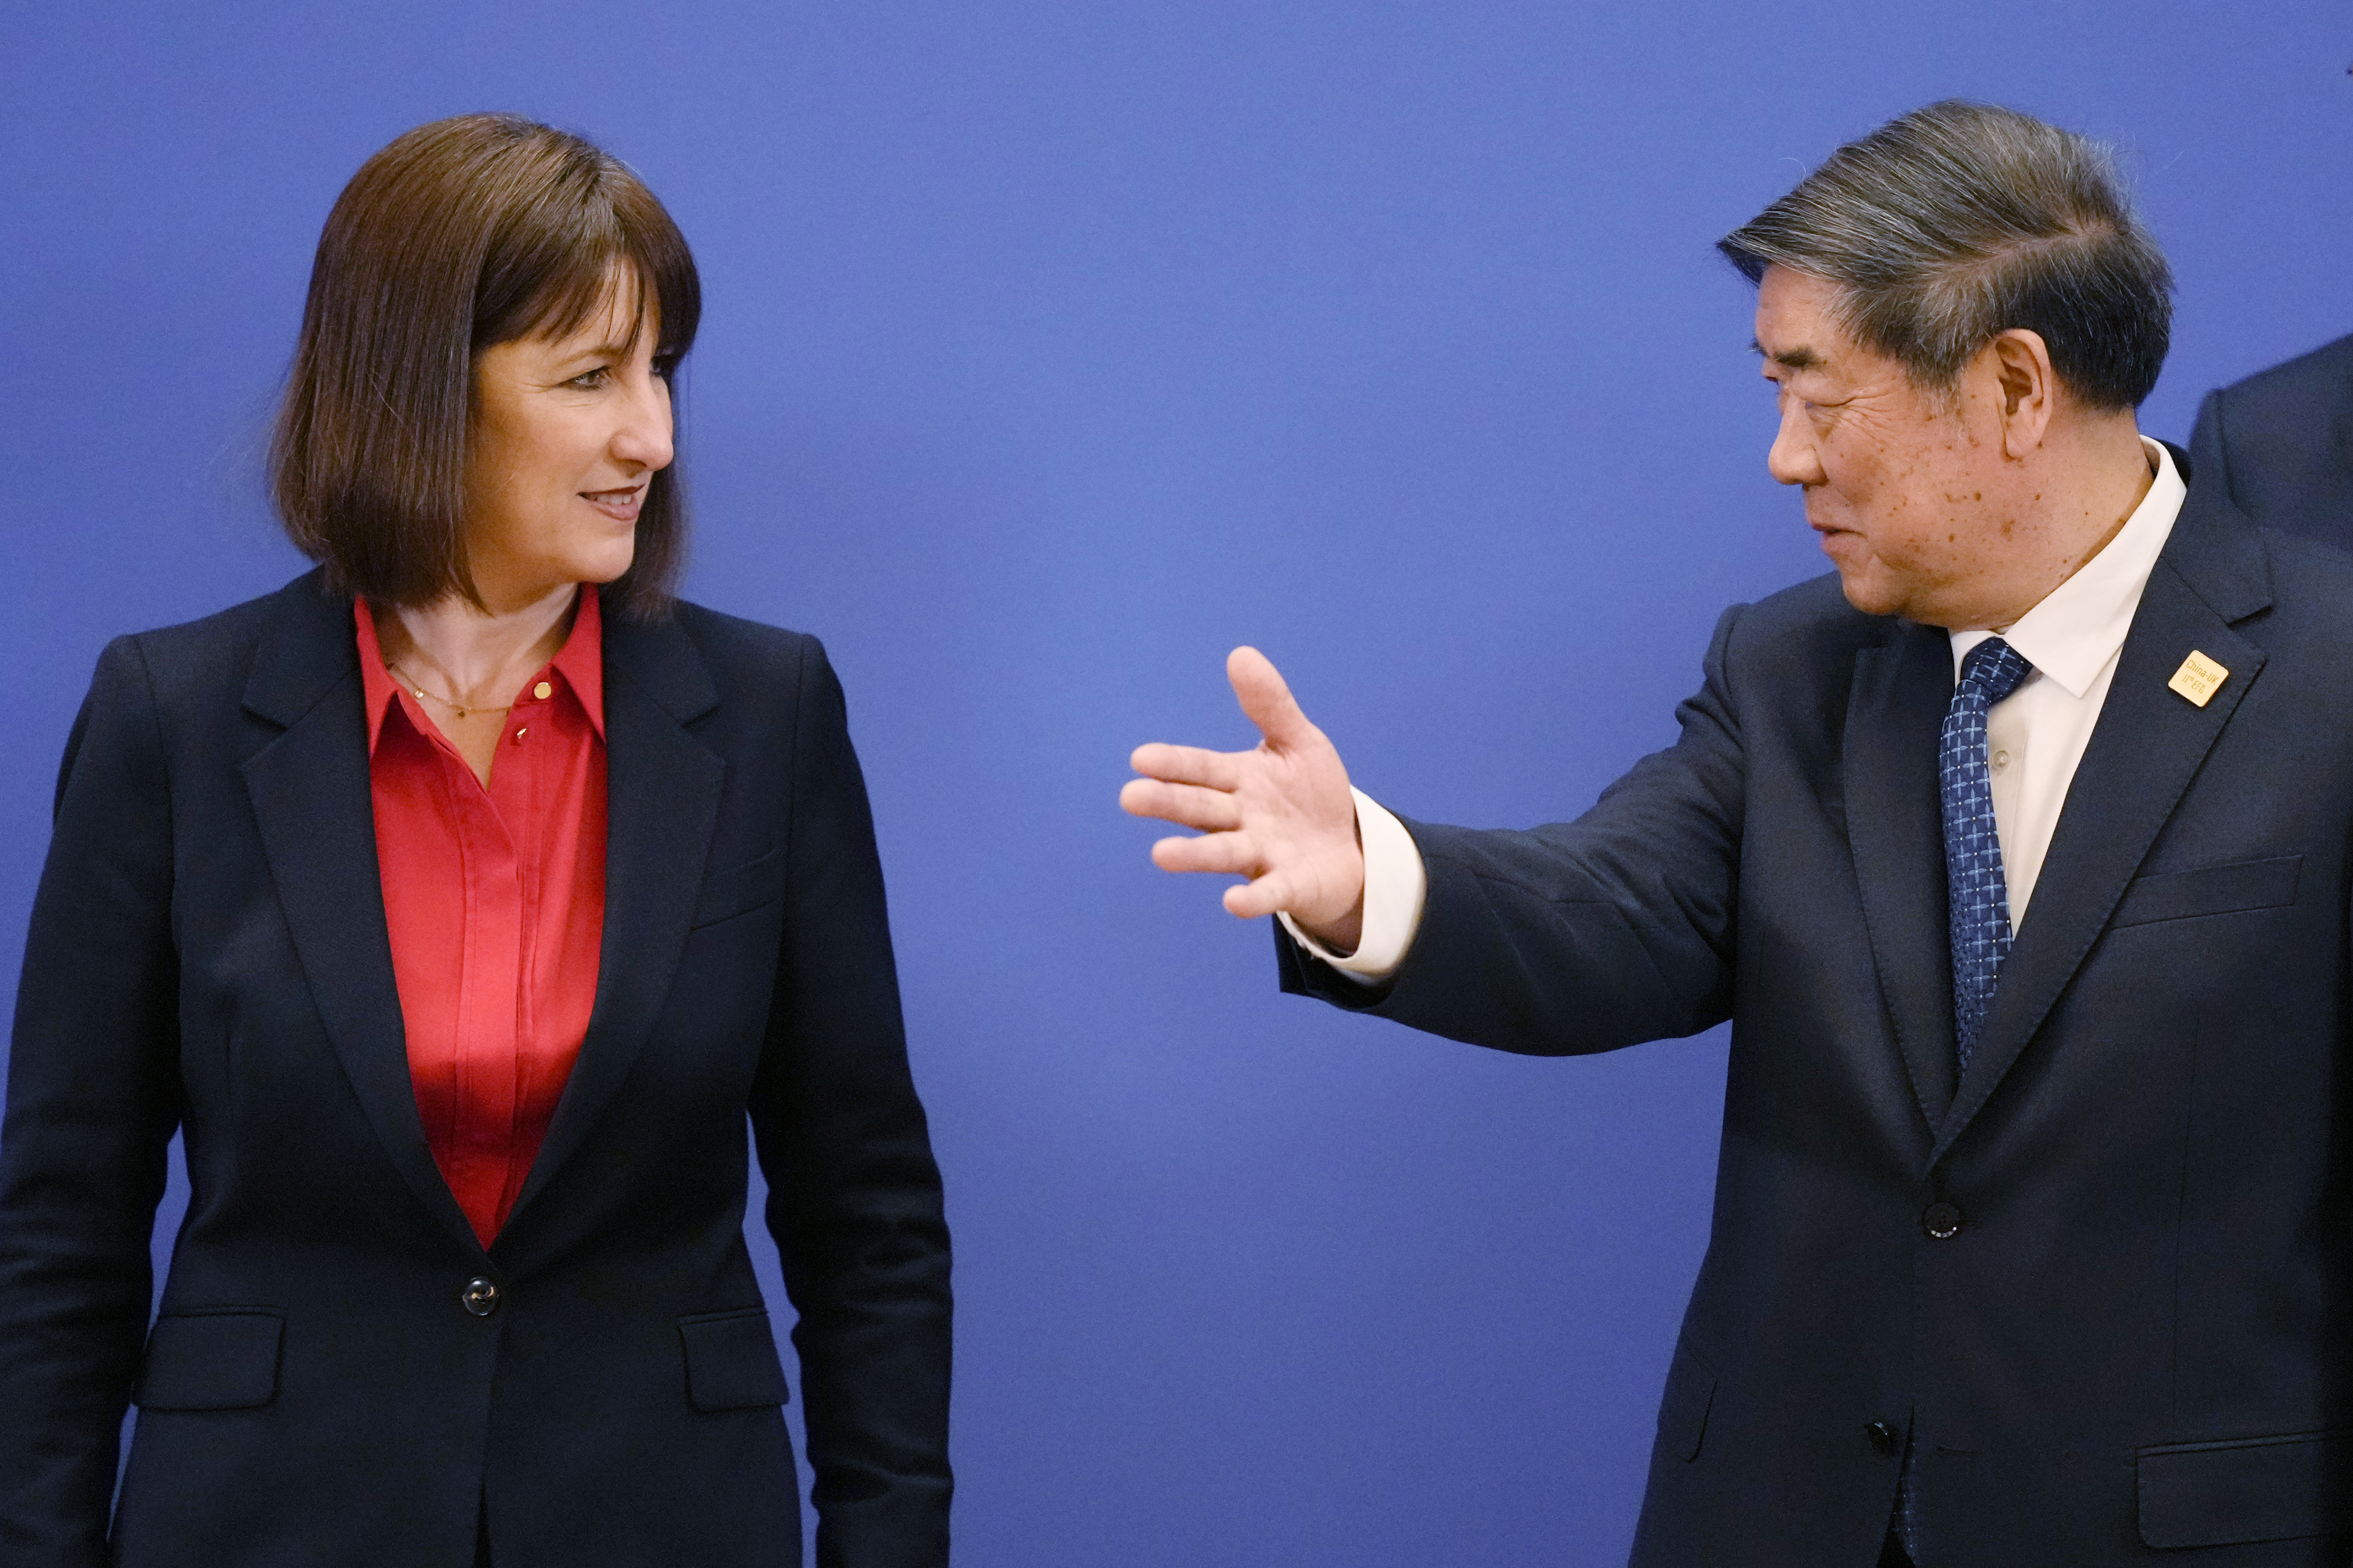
{"x":1581,"y":936}
{"x":93,"y":1098}
{"x":854,"y":1195}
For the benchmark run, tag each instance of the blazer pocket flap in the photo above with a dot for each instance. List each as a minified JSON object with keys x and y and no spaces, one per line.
{"x":2209,"y":891}
{"x":2255,"y":1489}
{"x":1683,"y":1412}
{"x":739,"y":889}
{"x":211,"y":1361}
{"x":731,"y":1361}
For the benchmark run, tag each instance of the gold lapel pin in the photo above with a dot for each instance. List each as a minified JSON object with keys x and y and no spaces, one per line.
{"x":2199,"y":677}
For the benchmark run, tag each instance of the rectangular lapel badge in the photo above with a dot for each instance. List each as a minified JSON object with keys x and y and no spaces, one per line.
{"x":2199,"y":677}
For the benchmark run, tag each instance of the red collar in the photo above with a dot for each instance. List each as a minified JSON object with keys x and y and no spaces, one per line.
{"x":579,"y":664}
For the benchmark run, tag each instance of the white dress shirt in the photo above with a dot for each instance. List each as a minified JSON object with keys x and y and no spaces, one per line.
{"x":2034,"y":737}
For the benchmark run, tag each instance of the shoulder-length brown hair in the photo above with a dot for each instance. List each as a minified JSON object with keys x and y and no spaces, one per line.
{"x":461,"y":235}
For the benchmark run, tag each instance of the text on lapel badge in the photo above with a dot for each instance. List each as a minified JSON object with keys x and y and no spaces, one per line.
{"x":2199,"y":677}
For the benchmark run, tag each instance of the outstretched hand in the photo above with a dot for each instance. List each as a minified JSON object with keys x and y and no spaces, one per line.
{"x":1278,"y":814}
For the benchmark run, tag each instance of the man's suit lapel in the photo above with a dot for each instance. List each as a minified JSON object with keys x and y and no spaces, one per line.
{"x":2148,"y":746}
{"x":1900,"y":694}
{"x":310,"y":796}
{"x":663,"y":788}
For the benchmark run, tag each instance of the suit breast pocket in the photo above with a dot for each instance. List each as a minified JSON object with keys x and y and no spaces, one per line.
{"x":2209,"y":891}
{"x":740,"y":890}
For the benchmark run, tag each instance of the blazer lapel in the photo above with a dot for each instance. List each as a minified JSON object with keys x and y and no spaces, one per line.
{"x":310,"y":796}
{"x":662,"y":795}
{"x":1894,"y":714}
{"x":2148,"y":744}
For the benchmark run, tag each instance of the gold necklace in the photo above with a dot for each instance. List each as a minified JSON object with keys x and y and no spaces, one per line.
{"x":457,"y":708}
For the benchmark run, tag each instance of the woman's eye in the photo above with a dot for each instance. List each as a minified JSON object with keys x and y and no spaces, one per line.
{"x":589,"y":380}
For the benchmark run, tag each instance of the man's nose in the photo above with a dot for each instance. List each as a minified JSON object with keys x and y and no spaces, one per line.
{"x":1793,"y":460}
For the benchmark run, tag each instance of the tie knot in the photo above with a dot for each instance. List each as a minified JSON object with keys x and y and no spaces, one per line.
{"x":1995,"y":669}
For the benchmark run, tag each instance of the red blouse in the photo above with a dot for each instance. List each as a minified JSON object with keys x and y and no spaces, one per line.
{"x":495,"y":901}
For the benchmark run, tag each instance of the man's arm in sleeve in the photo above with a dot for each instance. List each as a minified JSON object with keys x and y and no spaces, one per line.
{"x":1581,"y":936}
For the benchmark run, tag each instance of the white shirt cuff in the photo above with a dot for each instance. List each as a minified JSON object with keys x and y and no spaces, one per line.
{"x":1395,"y":886}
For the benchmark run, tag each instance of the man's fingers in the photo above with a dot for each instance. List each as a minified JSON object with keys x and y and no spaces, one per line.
{"x":1279,"y":815}
{"x":1231,"y":853}
{"x":1187,"y":765}
{"x":1260,"y":688}
{"x":1210,"y":810}
{"x":1256,"y":900}
{"x":1301,"y":889}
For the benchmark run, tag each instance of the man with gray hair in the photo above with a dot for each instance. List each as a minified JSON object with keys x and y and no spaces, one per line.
{"x":2019,"y":854}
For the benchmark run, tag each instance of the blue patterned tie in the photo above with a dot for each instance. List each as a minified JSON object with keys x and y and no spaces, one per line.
{"x":1979,"y":899}
{"x":1973,"y":876}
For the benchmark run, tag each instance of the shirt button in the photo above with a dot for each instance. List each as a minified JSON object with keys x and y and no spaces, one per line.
{"x":521,"y":732}
{"x":543,"y":692}
{"x":1883,"y":1440}
{"x":480,"y":1296}
{"x":1941,"y":1221}
{"x":2000,"y":760}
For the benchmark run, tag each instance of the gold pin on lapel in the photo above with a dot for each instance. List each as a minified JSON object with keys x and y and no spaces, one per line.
{"x":2199,"y":677}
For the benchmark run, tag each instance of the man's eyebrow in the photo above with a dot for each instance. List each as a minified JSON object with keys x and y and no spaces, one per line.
{"x":1791,"y":359}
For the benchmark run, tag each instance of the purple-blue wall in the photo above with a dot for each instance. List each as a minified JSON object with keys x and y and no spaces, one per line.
{"x":1051,"y":349}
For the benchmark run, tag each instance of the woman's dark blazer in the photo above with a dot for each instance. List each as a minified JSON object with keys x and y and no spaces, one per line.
{"x":339,"y":1373}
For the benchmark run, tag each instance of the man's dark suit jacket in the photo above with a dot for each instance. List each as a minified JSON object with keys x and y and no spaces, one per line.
{"x":2138,"y":1340}
{"x":208,"y":951}
{"x":2279,"y":444}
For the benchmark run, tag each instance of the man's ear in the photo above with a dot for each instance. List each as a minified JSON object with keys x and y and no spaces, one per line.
{"x":2026,"y":391}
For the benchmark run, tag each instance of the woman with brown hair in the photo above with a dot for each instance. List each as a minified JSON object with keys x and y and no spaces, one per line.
{"x":460,"y":902}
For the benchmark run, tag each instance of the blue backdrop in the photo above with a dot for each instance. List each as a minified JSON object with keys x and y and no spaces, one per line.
{"x":1051,"y":349}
